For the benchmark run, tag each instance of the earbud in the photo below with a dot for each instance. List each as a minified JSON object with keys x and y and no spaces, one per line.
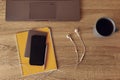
{"x":77,"y":32}
{"x":69,"y":37}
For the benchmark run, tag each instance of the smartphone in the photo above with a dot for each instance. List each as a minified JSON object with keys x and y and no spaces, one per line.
{"x":28,"y":44}
{"x":38,"y":50}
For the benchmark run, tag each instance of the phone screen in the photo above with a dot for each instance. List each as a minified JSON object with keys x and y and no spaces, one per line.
{"x":38,"y":50}
{"x":28,"y":44}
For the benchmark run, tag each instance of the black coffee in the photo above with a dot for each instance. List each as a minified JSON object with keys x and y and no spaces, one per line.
{"x":104,"y":27}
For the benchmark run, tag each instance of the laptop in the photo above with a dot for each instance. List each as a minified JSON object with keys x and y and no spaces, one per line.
{"x":43,"y":10}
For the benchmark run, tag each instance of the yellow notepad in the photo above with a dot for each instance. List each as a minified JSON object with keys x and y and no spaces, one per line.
{"x":28,"y":69}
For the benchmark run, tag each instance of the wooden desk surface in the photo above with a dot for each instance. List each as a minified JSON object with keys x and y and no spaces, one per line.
{"x":102,"y":60}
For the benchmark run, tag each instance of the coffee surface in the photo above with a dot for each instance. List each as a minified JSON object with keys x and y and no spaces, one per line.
{"x":104,"y":27}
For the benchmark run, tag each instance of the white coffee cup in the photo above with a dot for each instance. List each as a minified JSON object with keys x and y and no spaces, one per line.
{"x":104,"y":27}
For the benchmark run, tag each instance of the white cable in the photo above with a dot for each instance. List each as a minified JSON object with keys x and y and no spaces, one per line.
{"x":76,"y":51}
{"x":83,"y":44}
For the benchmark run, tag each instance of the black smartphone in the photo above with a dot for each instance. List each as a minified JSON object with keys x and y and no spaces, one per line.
{"x":28,"y":44}
{"x":38,"y":50}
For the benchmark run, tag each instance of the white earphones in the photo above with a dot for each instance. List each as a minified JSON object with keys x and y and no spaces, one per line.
{"x":83,"y":44}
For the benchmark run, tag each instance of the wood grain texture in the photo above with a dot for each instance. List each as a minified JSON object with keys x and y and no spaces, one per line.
{"x":102,"y":60}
